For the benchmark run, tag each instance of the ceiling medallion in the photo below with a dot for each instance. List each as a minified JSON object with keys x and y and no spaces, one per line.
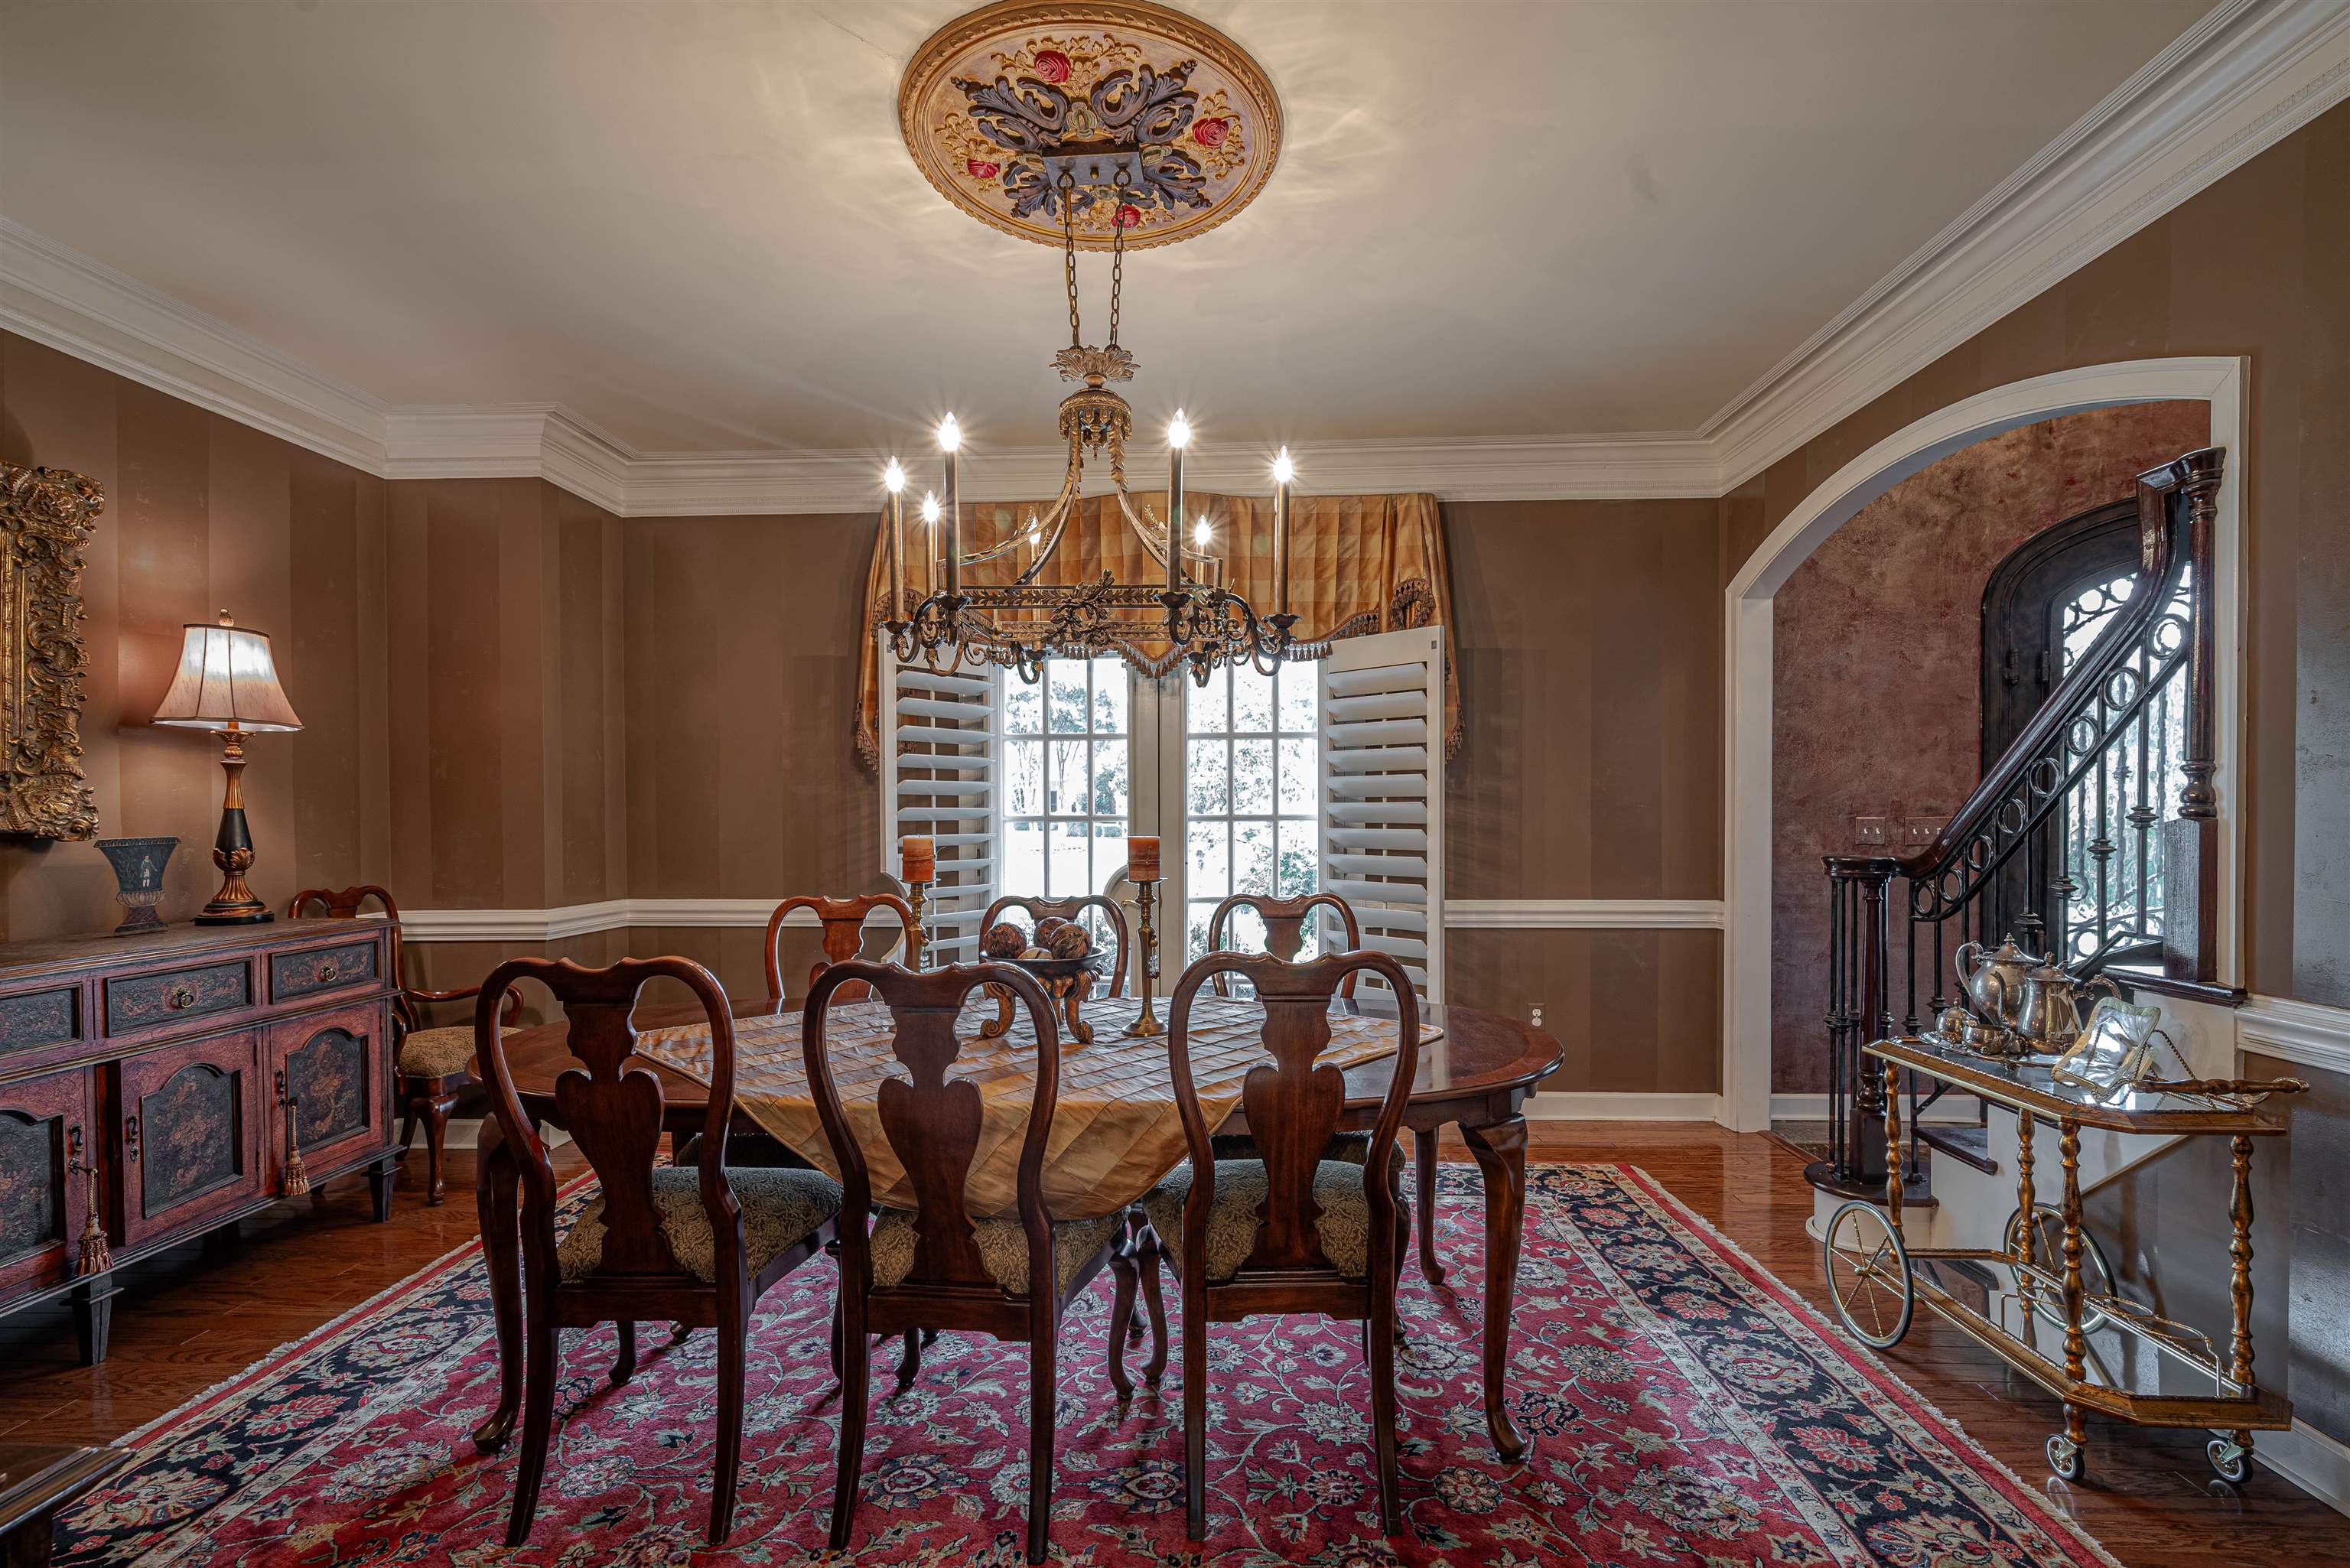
{"x":999,"y":102}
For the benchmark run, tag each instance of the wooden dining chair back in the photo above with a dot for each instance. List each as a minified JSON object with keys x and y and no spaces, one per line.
{"x":938,"y":1265}
{"x":1290,"y":1231}
{"x":429,"y":1063}
{"x":694,"y":1245}
{"x":1285,"y":928}
{"x":1113,"y":915}
{"x":844,"y":935}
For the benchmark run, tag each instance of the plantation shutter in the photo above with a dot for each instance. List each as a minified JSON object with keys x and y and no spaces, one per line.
{"x":1382,"y":798}
{"x":942,"y":745}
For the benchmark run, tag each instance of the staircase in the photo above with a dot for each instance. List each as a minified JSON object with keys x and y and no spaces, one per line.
{"x":2084,"y":815}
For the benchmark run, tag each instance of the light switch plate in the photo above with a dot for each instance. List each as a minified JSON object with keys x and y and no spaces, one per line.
{"x":1871,"y":831}
{"x":1919,"y":831}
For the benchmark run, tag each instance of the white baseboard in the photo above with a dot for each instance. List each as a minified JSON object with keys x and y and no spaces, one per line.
{"x":465,"y":1132}
{"x":2310,"y":1460}
{"x":1622,"y":1107}
{"x":1958,"y":1112}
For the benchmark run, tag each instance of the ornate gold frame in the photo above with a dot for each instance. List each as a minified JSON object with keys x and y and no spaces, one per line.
{"x":952,"y":41}
{"x":46,"y":515}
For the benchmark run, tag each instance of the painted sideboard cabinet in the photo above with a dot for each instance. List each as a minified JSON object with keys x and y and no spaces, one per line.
{"x":161,"y":1086}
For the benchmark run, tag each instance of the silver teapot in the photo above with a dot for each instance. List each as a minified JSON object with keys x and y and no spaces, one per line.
{"x":2050,"y":1014}
{"x":1994,"y":980}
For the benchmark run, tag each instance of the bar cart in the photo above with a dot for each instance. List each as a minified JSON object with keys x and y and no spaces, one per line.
{"x":2093,"y":1349}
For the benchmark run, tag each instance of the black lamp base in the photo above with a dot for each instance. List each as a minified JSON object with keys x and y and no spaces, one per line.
{"x":234,"y":904}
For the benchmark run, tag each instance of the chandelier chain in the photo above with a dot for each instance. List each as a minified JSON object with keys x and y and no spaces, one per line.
{"x":1117,"y":254}
{"x":1069,"y":258}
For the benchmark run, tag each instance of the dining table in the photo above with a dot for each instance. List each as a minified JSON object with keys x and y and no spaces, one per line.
{"x":1475,"y":1069}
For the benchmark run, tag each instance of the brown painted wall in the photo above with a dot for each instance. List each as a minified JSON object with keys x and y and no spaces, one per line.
{"x":202,"y":515}
{"x":1588,"y":637}
{"x":2254,"y":266}
{"x":1880,"y":634}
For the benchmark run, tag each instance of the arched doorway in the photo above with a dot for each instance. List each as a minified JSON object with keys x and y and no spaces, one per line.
{"x":1748,"y":677}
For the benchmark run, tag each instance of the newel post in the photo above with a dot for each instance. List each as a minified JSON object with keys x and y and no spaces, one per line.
{"x":2190,"y":841}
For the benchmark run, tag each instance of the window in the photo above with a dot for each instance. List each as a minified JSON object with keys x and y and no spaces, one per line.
{"x":1068,"y":748}
{"x":1249,"y":797}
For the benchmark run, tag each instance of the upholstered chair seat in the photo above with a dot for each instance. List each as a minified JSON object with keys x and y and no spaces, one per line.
{"x":1242,"y":1187}
{"x":1003,"y":1248}
{"x":780,"y":1209}
{"x":439,"y":1053}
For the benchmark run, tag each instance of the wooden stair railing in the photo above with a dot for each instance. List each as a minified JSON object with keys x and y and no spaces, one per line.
{"x":2091,"y":735}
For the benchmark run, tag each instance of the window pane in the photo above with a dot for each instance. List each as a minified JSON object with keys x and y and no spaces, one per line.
{"x":1024,"y":859}
{"x":1065,"y":683}
{"x":1071,"y":864}
{"x":1195,"y":935}
{"x":1297,"y":705}
{"x":1069,"y":786}
{"x":1253,"y":778}
{"x":1023,"y":765}
{"x":1204,"y":707}
{"x":1110,"y":783}
{"x":1297,"y":778}
{"x":1024,"y":706}
{"x":1252,"y":702}
{"x":1210,"y":875}
{"x":1109,"y":854}
{"x":1109,"y":697}
{"x":1252,"y":857}
{"x":1206,"y":778}
{"x":1300,"y":867}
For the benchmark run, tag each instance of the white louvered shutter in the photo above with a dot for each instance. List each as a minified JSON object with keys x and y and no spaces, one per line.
{"x":941,"y":759}
{"x":1382,"y":798}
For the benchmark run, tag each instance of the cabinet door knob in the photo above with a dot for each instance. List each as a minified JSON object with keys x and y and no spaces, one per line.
{"x":131,"y":1138}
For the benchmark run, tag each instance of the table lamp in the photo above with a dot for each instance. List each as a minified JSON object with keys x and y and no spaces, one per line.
{"x":227,"y":683}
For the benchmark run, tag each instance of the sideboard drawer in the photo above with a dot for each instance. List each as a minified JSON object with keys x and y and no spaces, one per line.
{"x":139,"y":1002}
{"x":189,"y":1133}
{"x":311,"y":971}
{"x":32,"y":1020}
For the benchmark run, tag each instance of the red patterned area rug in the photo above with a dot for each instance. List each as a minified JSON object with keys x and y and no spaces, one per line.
{"x":1682,"y":1405}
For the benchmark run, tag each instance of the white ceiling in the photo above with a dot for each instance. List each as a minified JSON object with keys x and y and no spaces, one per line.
{"x":693,"y":224}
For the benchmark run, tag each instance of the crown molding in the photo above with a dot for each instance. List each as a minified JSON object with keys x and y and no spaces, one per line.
{"x":2242,"y":79}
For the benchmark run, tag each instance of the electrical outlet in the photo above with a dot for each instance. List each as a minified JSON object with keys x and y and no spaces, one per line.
{"x":1536,"y":1011}
{"x":1871,"y":832}
{"x":1919,"y":831}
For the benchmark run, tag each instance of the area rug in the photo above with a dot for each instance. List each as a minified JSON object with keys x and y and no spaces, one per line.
{"x":1682,"y":1406}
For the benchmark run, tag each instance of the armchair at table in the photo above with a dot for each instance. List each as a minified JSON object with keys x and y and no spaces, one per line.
{"x":430,"y":1064}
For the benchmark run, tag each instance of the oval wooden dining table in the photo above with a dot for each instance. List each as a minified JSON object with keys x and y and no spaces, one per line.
{"x":1474,"y":1077}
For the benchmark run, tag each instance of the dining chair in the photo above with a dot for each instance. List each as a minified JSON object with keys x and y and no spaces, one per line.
{"x":1285,"y":921}
{"x":430,"y":1064}
{"x":937,"y":1266}
{"x":694,"y":1245}
{"x":844,"y":934}
{"x":1292,"y":1230}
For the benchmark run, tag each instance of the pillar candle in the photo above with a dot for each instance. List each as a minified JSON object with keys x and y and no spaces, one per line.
{"x":1142,"y":859}
{"x":921,"y":860}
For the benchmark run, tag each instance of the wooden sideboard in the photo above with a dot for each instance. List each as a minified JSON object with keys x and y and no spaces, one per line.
{"x":158,"y":1084}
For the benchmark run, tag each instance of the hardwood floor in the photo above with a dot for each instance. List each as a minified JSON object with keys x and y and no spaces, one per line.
{"x":2149,"y":1499}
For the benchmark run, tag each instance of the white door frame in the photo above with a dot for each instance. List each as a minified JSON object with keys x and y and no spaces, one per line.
{"x":2217,"y":381}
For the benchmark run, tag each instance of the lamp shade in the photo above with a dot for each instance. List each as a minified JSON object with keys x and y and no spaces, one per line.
{"x":227,"y":680}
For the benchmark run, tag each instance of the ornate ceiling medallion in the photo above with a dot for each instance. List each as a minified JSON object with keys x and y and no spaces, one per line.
{"x":999,"y":102}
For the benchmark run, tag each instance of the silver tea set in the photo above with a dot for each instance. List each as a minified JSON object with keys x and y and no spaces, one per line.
{"x":2017,"y":1005}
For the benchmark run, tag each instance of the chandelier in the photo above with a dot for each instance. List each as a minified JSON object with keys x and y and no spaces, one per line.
{"x":1145,"y":123}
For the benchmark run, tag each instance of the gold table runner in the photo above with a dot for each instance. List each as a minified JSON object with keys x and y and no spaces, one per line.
{"x":1117,"y":1130}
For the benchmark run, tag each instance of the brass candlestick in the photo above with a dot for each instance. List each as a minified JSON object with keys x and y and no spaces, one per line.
{"x":916,"y":895}
{"x":1147,"y":1025}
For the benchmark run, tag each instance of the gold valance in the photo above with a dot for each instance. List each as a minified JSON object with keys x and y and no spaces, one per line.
{"x":1359,"y":564}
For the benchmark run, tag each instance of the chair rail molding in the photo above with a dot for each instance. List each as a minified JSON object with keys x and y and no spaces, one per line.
{"x":618,"y":914}
{"x":2219,"y":382}
{"x":2303,"y":1033}
{"x":2245,"y":76}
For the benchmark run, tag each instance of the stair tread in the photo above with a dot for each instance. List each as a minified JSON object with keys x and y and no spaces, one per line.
{"x":1971,"y":1145}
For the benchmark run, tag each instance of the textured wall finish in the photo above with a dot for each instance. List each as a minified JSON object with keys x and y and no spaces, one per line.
{"x":1876,"y":648}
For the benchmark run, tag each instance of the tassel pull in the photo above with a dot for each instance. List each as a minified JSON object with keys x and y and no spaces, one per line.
{"x":92,"y":1255}
{"x":297,"y":1180}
